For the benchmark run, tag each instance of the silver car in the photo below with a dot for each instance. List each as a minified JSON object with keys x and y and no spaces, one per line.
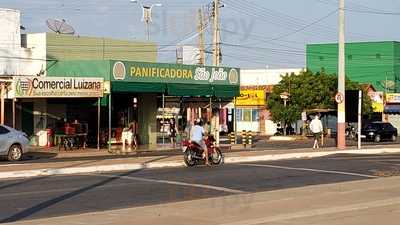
{"x":13,"y":143}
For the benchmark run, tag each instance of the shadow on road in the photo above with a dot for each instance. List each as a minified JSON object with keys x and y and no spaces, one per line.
{"x":46,"y":204}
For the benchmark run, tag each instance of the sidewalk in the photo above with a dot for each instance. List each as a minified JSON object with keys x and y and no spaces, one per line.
{"x":91,"y":161}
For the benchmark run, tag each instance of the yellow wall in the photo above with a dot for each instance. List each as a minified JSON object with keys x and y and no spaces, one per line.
{"x":68,"y":47}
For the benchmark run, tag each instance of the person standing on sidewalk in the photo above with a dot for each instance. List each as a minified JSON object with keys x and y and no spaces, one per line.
{"x":316,"y":128}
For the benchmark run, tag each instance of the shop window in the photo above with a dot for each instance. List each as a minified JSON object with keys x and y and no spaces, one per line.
{"x":255,"y":115}
{"x":247,"y":115}
{"x":239,"y":114}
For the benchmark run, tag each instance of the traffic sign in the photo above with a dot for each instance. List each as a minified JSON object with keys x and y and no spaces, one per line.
{"x":339,"y":97}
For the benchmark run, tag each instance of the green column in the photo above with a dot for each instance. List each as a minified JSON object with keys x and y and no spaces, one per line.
{"x":147,"y":113}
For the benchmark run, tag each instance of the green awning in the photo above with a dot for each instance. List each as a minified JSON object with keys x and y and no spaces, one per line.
{"x":137,"y":87}
{"x":175,"y":89}
{"x":190,"y":90}
{"x":225,"y":91}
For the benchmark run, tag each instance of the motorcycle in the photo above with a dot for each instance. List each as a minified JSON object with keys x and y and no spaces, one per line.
{"x":193,"y":153}
{"x":351,"y":132}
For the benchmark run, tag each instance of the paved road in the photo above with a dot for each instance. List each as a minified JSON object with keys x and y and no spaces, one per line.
{"x":65,"y":195}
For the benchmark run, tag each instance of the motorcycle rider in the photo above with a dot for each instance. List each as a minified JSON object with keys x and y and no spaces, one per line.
{"x":196,"y":136}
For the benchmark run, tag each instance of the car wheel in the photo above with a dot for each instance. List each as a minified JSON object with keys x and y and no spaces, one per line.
{"x":14,"y":153}
{"x":377,"y":138}
{"x":393,"y":137}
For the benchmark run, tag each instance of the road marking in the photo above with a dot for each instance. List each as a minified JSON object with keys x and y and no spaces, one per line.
{"x":16,"y":164}
{"x":311,"y":170}
{"x":233,"y":191}
{"x":60,"y":190}
{"x":318,"y":212}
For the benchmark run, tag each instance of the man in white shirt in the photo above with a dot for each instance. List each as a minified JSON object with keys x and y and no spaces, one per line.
{"x":197,"y":134}
{"x":316,"y":128}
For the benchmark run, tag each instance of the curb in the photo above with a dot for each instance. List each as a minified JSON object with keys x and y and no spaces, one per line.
{"x":174,"y":164}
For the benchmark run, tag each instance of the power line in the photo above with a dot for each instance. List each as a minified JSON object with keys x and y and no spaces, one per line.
{"x":282,"y":19}
{"x":374,"y":12}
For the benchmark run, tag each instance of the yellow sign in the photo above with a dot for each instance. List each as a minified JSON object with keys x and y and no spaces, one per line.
{"x":393,"y":97}
{"x":377,"y":101}
{"x":251,"y":98}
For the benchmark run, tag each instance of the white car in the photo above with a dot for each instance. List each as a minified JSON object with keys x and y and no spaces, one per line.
{"x":13,"y":143}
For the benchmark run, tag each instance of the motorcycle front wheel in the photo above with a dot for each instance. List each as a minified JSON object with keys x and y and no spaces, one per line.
{"x":188,"y":158}
{"x":216,"y":157}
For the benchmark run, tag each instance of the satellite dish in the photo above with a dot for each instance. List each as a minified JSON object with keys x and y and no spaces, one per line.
{"x":60,"y":26}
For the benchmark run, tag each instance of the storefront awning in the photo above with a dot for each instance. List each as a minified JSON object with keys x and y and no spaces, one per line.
{"x":175,"y":79}
{"x":392,"y":109}
{"x":137,"y":87}
{"x":145,"y":77}
{"x":191,"y":90}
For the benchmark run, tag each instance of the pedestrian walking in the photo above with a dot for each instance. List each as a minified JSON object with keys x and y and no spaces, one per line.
{"x":172,"y":132}
{"x":316,"y":128}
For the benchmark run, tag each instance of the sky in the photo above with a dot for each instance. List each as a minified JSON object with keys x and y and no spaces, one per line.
{"x":254,"y":33}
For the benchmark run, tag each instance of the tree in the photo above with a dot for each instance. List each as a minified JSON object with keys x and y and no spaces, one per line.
{"x":308,"y":91}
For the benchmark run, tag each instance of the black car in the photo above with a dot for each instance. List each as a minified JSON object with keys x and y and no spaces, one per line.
{"x":378,"y":131}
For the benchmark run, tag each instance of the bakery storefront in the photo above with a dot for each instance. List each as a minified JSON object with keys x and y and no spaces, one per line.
{"x":156,"y":94}
{"x":173,"y":94}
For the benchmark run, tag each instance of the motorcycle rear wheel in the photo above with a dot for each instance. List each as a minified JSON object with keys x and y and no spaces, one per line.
{"x":188,"y":159}
{"x":216,"y":157}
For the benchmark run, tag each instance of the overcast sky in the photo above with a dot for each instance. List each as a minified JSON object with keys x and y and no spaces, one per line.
{"x":255,"y":33}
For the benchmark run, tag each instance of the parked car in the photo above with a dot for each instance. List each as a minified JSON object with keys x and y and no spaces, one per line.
{"x":378,"y":131}
{"x":13,"y":143}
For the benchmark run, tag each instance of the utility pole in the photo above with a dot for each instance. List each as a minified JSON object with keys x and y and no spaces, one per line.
{"x":216,"y":36}
{"x":341,"y":122}
{"x":201,"y":38}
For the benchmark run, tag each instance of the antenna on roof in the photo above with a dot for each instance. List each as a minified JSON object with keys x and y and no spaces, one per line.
{"x":60,"y":26}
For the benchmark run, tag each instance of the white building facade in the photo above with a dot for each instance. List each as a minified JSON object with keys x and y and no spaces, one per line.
{"x":255,"y":86}
{"x":19,"y":54}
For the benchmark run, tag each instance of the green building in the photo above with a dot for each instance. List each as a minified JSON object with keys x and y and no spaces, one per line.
{"x":376,"y":63}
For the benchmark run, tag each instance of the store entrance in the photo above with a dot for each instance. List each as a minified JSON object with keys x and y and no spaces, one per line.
{"x":125,"y":109}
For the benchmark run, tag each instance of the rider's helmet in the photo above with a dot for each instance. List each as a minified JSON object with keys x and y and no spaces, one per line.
{"x":197,"y":122}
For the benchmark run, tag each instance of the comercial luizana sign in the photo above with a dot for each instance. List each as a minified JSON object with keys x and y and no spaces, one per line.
{"x":175,"y":73}
{"x":58,"y":87}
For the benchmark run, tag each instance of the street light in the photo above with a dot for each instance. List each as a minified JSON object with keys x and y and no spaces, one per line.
{"x":147,"y":15}
{"x":285,"y":97}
